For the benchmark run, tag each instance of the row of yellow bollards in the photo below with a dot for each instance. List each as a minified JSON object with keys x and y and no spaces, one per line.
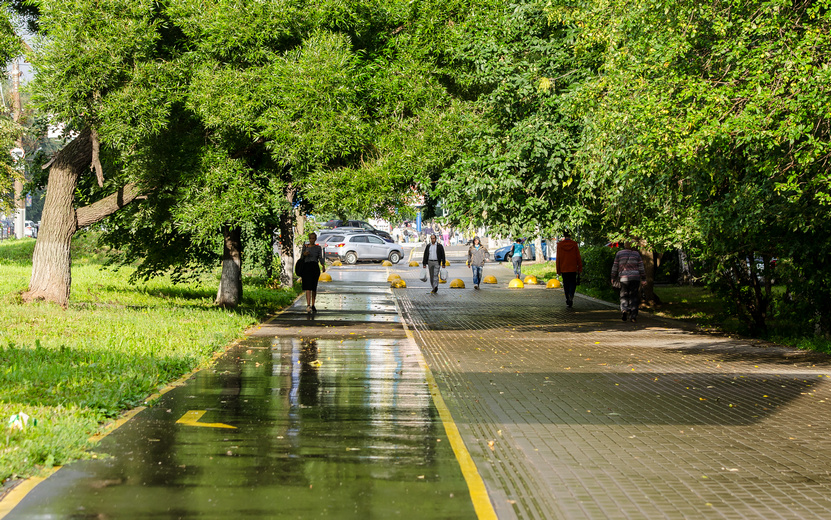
{"x":397,"y":283}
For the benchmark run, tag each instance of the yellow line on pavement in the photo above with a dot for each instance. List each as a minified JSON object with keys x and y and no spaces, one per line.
{"x":191,"y":418}
{"x":478,"y":492}
{"x":17,"y":494}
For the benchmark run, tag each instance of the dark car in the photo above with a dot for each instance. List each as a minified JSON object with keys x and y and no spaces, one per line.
{"x":366,"y":226}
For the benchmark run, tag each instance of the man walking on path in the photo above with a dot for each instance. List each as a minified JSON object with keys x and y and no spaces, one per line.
{"x":569,"y":263}
{"x":433,"y":259}
{"x":629,"y":274}
{"x":476,"y":257}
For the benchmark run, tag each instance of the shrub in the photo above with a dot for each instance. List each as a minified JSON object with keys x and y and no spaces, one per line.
{"x":597,"y":266}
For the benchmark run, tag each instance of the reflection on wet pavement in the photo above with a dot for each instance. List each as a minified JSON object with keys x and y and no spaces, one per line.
{"x":336,"y":425}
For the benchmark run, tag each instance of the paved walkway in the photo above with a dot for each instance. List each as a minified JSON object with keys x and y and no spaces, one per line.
{"x":575,"y":414}
{"x":567,"y":414}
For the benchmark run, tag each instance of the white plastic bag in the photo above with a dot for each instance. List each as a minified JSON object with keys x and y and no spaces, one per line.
{"x":423,"y":275}
{"x":443,"y":274}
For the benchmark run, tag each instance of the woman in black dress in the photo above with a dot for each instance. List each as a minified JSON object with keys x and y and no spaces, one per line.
{"x":312,"y":255}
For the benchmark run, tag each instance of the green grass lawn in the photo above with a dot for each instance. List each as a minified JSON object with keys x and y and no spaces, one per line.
{"x":115,"y":344}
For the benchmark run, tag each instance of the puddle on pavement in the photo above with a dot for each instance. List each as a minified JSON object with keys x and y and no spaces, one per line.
{"x":322,"y":429}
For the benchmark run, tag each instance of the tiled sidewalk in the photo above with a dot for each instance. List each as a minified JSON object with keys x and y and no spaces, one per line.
{"x":574,"y":414}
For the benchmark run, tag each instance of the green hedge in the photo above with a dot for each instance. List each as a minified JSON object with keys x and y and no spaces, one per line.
{"x":597,"y":266}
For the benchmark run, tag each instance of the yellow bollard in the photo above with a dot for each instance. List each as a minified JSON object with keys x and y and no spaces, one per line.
{"x":393,"y":277}
{"x":398,"y":284}
{"x":325,"y":277}
{"x":386,"y":263}
{"x":553,"y":284}
{"x":531,"y":279}
{"x":337,"y":263}
{"x":414,"y":264}
{"x":457,"y":284}
{"x":489,"y":279}
{"x":516,"y":283}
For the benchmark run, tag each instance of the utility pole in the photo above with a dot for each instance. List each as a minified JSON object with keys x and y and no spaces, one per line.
{"x":19,"y":198}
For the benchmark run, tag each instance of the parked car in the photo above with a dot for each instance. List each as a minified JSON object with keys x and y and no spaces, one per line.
{"x":504,"y":254}
{"x":360,"y":224}
{"x":357,"y":247}
{"x":328,"y":241}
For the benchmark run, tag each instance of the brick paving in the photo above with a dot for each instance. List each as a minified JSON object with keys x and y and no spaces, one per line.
{"x":574,"y":414}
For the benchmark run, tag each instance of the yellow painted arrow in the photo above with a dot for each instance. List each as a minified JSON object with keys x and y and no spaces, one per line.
{"x":192,"y":417}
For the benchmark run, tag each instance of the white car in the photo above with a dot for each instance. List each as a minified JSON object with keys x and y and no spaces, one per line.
{"x":357,"y":247}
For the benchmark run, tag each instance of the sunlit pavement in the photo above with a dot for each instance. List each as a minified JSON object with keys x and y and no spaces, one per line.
{"x":571,"y":413}
{"x":323,"y":417}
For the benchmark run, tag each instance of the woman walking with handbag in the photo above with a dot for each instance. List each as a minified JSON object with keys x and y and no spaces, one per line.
{"x":311,"y":256}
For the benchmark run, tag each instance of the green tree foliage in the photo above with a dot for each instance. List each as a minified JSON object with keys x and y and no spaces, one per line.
{"x":515,"y":169}
{"x":708,"y":124}
{"x":294,"y":107}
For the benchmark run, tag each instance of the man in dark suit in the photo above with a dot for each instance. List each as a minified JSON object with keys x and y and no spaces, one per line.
{"x":433,"y":261}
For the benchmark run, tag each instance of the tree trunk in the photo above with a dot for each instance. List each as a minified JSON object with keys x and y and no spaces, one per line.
{"x":299,"y":229}
{"x":286,"y":251}
{"x":51,"y":263}
{"x":230,"y":282}
{"x":685,"y":269}
{"x":287,"y":241}
{"x":540,"y":258}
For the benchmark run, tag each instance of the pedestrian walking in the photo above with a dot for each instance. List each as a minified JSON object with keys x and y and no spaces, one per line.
{"x":516,"y":258}
{"x":569,"y":264}
{"x":477,"y":255}
{"x":311,"y":256}
{"x":433,"y":261}
{"x":629,"y":274}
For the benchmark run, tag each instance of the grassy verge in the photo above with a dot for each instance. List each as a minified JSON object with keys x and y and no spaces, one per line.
{"x":114,"y":345}
{"x":695,"y":305}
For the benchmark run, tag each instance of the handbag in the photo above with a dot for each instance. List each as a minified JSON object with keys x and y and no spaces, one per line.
{"x":298,"y":267}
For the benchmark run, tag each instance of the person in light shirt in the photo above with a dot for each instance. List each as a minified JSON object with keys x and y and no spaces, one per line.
{"x":433,"y":261}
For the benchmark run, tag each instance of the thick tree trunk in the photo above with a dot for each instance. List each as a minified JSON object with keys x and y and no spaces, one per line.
{"x":286,"y":251}
{"x":299,"y":230}
{"x":230,"y":282}
{"x":52,"y":262}
{"x":287,"y":241}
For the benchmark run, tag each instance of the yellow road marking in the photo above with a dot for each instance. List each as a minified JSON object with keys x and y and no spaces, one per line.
{"x":192,"y":417}
{"x":478,"y":492}
{"x":17,"y":494}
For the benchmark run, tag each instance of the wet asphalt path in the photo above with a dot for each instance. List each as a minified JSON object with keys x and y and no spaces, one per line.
{"x":329,"y":417}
